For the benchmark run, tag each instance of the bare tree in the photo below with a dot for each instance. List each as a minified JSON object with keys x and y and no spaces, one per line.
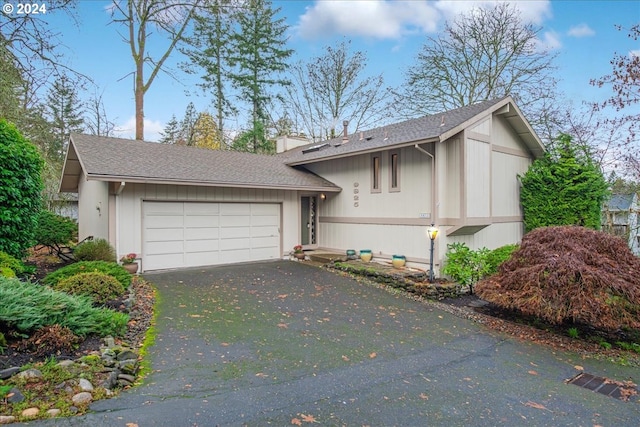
{"x":485,"y":54}
{"x":96,"y":119}
{"x":140,"y":17}
{"x":331,"y":88}
{"x":624,"y":81}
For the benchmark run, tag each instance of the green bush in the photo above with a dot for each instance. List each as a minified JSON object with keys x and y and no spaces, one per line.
{"x":498,"y":256}
{"x":20,"y":190}
{"x":27,"y":307}
{"x":15,"y":265}
{"x":95,"y":250}
{"x":99,"y":287}
{"x":110,"y":268}
{"x":464,"y":265}
{"x":54,"y":230}
{"x":7,"y":272}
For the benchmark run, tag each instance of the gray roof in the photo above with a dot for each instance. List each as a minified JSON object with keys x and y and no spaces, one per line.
{"x":115,"y":159}
{"x":620,"y":202}
{"x":432,"y":128}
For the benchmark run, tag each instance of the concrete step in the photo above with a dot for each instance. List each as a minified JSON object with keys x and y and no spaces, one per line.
{"x":325,"y":257}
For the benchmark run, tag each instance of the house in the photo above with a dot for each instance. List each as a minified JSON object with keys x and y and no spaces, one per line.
{"x":620,"y":218}
{"x":380,"y":190}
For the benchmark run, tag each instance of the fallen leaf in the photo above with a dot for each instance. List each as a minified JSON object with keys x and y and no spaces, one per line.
{"x":132,"y":425}
{"x":532,"y":372}
{"x":345,"y":358}
{"x":296,"y":422}
{"x":578,"y":367}
{"x":283,"y":296}
{"x":535,"y":405}
{"x":308,"y":418}
{"x":424,"y":396}
{"x":372,"y":355}
{"x":282,"y":325}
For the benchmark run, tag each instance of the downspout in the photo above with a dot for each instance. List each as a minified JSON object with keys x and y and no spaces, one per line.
{"x":434,"y":195}
{"x":118,"y":192}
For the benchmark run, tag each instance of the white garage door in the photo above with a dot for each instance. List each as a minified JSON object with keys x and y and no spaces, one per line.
{"x":191,"y":234}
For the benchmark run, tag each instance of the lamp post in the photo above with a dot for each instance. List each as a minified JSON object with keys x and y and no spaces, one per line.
{"x":432,"y":232}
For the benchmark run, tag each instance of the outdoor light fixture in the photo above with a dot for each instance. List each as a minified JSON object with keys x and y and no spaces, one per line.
{"x":432,"y":232}
{"x":323,"y":196}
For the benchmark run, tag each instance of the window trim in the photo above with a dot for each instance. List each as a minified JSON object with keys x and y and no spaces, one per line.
{"x":376,"y":169}
{"x":396,"y":178}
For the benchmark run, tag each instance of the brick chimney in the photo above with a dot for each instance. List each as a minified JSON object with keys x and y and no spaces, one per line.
{"x":345,"y":132}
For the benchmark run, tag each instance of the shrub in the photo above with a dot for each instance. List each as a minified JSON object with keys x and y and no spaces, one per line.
{"x":27,"y":307}
{"x":565,"y":187}
{"x":570,"y":274}
{"x":20,"y":190}
{"x":7,"y":272}
{"x":95,"y":250}
{"x":99,"y":287}
{"x":7,"y":261}
{"x":110,"y":268}
{"x":54,"y":230}
{"x":464,"y":265}
{"x":497,"y":256}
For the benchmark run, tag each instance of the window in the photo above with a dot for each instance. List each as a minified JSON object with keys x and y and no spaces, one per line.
{"x":375,"y":174}
{"x":394,"y":171}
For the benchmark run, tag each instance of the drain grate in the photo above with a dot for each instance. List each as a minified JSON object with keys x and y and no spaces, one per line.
{"x":611,"y":388}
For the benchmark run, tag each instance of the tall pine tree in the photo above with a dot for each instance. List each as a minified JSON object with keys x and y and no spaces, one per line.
{"x":259,"y":56}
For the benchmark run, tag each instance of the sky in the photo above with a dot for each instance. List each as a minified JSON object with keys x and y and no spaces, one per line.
{"x":390,"y":33}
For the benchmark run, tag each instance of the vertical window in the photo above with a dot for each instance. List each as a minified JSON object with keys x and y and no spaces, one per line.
{"x":394,"y":171}
{"x":375,"y":174}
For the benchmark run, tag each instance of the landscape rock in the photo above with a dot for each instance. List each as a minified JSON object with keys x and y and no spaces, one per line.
{"x":7,"y":419}
{"x":129,"y":366}
{"x":54,"y":412}
{"x":82,"y":398}
{"x":130,"y":378}
{"x":9,"y":372}
{"x":85,"y":385}
{"x":30,"y":412}
{"x":15,"y":396}
{"x":66,"y":363}
{"x":30,"y":373}
{"x":127,"y":355}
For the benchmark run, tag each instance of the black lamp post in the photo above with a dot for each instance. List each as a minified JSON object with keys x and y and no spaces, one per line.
{"x":432,"y":232}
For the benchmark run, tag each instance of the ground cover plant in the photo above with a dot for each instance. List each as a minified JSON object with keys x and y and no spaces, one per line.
{"x":110,"y":268}
{"x":27,"y":307}
{"x":569,"y":274}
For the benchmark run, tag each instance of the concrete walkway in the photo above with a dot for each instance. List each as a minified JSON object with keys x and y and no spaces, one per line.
{"x":284,"y":343}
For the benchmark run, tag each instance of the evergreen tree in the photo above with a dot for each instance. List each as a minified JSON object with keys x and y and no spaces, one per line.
{"x":259,"y":55}
{"x":65,"y":113}
{"x":563,"y":188}
{"x":20,"y":190}
{"x":187,"y":125}
{"x":211,"y":52}
{"x":171,"y":133}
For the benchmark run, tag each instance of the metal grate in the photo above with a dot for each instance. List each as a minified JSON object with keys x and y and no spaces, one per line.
{"x":602,"y":385}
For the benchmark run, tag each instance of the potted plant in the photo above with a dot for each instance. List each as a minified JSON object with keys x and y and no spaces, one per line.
{"x":398,"y":261}
{"x":297,"y":252}
{"x":129,"y":264}
{"x":366,"y":255}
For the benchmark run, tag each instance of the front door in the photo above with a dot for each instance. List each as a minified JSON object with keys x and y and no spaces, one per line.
{"x":308,"y":220}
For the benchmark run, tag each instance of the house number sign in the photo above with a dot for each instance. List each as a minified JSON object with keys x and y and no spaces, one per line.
{"x":355,"y":195}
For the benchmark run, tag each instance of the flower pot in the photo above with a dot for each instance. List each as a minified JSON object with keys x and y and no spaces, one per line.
{"x":299,"y":255}
{"x":132,"y":267}
{"x":398,"y":261}
{"x":366,"y":255}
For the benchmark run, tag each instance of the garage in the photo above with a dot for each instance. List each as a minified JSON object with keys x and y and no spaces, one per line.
{"x":191,"y":234}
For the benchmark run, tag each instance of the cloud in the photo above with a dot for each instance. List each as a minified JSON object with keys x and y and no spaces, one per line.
{"x":582,"y":30}
{"x":531,"y":11}
{"x":550,"y":41}
{"x":379,"y":19}
{"x":152,"y":129}
{"x":634,"y":53}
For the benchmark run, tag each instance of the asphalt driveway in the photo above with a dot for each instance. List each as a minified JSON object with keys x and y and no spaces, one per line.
{"x":285,"y":343}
